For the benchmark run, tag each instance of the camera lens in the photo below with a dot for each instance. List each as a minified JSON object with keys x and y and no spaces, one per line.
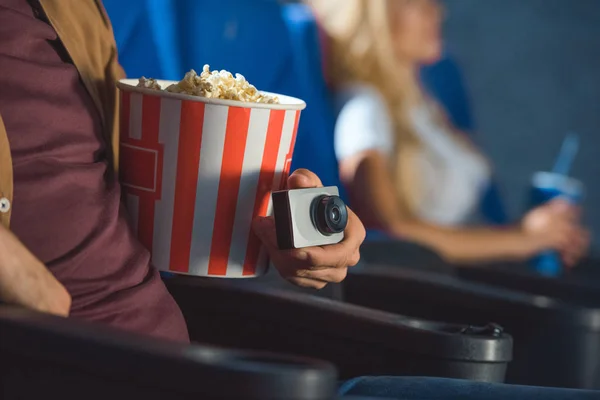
{"x":330,"y":215}
{"x":335,"y":214}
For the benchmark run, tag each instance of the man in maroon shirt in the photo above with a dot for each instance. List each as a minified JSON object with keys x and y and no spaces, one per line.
{"x":66,"y":210}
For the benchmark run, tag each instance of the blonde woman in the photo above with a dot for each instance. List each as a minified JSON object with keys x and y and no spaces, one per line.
{"x":409,"y":172}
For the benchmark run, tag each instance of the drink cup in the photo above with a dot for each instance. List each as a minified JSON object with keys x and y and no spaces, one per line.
{"x":545,"y":187}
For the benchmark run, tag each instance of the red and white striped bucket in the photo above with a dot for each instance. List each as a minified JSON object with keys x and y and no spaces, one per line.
{"x":196,"y":171}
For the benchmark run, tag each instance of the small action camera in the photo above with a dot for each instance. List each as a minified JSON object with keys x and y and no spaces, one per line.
{"x":309,"y":217}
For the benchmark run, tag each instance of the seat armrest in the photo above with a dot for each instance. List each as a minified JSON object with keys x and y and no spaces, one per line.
{"x":571,"y":288}
{"x":394,"y":252}
{"x":43,"y":355}
{"x":358,"y":340}
{"x":447,"y":297}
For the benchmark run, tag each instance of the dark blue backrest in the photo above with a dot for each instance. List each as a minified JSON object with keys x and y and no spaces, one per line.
{"x":444,"y":82}
{"x":146,"y":37}
{"x":164,"y":38}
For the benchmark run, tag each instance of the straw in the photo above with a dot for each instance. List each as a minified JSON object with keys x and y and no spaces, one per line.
{"x":567,"y":154}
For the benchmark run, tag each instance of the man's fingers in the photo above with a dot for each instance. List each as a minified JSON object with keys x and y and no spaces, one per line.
{"x":307,"y":283}
{"x":343,"y":254}
{"x":335,"y":255}
{"x":264,"y":227}
{"x":293,"y":268}
{"x":327,"y":275}
{"x":303,"y":179}
{"x":331,"y":275}
{"x":355,"y":228}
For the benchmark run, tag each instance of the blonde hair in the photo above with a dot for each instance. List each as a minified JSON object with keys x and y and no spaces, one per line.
{"x":360,"y":49}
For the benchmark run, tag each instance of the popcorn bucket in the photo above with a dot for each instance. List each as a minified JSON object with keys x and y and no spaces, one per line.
{"x":196,"y":171}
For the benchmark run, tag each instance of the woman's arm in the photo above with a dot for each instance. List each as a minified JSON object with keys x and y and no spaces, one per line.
{"x":25,"y":281}
{"x":363,"y":142}
{"x":371,"y":186}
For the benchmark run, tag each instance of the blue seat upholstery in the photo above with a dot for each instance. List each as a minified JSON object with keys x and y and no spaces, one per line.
{"x":146,"y":37}
{"x":237,"y":35}
{"x":164,"y":39}
{"x":444,"y":82}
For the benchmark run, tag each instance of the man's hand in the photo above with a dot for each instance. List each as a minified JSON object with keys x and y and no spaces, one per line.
{"x":313,"y":267}
{"x":26,"y":282}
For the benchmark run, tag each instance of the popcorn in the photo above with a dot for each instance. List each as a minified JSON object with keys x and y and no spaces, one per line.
{"x":216,"y":85}
{"x":149,"y":84}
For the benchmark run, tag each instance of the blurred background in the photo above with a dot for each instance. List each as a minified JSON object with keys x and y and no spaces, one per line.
{"x":532,"y":72}
{"x":519,"y":74}
{"x":532,"y":69}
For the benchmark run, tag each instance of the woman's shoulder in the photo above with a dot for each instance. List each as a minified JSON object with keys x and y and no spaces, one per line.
{"x":361,"y":93}
{"x":363,"y":104}
{"x":363,"y":121}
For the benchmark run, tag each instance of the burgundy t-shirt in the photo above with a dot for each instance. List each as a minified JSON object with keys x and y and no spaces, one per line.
{"x":67,"y":207}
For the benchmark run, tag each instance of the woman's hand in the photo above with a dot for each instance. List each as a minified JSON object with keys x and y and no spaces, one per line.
{"x":556,"y":226}
{"x":313,"y":267}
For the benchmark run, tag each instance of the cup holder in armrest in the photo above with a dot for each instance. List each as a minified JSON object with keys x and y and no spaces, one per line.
{"x":555,"y":342}
{"x":44,"y":355}
{"x":491,"y":329}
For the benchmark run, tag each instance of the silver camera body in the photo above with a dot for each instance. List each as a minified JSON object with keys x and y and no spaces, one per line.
{"x":309,"y":217}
